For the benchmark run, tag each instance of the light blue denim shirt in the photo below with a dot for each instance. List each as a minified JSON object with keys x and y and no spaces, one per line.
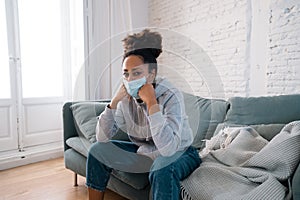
{"x":162,"y":133}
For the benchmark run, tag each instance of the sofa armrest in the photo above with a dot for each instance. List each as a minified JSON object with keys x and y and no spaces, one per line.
{"x":296,"y":183}
{"x":69,"y":129}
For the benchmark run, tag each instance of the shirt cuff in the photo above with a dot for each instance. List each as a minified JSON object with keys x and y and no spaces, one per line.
{"x":156,"y":121}
{"x":154,"y":109}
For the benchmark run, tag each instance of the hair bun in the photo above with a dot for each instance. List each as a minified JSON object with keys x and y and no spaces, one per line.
{"x":144,"y":40}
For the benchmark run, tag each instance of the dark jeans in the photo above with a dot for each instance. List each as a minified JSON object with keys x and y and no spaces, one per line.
{"x":165,"y":173}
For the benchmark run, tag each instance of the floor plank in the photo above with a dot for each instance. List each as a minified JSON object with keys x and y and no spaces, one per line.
{"x":44,"y":180}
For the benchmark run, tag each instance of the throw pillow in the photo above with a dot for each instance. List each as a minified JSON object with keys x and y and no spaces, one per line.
{"x":204,"y":115}
{"x":85,"y":115}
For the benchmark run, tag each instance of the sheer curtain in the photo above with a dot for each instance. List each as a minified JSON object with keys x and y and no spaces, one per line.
{"x":108,"y":24}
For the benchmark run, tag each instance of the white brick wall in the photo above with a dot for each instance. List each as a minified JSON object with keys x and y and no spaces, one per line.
{"x":254,"y":47}
{"x":283,"y":71}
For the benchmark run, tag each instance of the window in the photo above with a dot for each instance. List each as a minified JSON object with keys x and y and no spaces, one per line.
{"x":41,"y":47}
{"x":4,"y":62}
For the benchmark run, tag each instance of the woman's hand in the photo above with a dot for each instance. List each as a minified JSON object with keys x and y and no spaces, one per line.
{"x":118,"y":97}
{"x":147,"y":94}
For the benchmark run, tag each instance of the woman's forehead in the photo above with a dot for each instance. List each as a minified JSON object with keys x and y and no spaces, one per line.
{"x":133,"y":63}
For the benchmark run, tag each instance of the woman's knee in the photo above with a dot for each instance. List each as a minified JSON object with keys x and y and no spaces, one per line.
{"x":96,"y":151}
{"x":161,"y":171}
{"x":96,"y":147}
{"x":162,"y":162}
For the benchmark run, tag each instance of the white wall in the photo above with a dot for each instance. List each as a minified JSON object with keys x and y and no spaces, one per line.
{"x":242,"y":47}
{"x":283,"y":70}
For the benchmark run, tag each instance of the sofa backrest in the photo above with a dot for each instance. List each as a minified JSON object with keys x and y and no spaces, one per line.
{"x":263,"y":110}
{"x":204,"y":115}
{"x":268,"y":113}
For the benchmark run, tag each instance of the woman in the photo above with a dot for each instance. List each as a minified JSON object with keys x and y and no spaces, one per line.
{"x":152,"y":113}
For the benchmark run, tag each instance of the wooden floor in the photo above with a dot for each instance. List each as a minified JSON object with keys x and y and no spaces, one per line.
{"x":45,"y":180}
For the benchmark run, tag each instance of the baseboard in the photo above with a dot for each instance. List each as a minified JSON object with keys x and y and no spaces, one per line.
{"x":11,"y":159}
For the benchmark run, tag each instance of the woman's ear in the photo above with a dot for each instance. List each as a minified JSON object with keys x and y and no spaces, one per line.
{"x":151,"y":76}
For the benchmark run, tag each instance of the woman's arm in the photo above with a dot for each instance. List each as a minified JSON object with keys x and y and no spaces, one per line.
{"x":166,"y":119}
{"x":167,"y":125}
{"x":107,"y":125}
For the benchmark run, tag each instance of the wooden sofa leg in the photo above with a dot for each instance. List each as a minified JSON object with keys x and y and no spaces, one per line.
{"x":75,"y":180}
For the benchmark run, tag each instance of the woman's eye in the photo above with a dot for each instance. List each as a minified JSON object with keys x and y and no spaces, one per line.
{"x":137,"y":73}
{"x":126,"y":75}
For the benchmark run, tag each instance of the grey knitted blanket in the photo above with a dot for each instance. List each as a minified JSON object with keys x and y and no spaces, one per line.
{"x":240,"y":164}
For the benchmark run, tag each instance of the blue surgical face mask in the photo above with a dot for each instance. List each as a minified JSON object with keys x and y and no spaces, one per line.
{"x":133,"y":87}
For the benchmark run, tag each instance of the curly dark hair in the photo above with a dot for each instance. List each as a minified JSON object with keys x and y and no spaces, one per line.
{"x":146,"y":44}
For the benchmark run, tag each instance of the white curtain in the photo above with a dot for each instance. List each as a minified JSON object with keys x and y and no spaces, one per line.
{"x":108,"y":22}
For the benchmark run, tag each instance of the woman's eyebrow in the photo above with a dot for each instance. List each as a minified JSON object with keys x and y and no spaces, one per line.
{"x":137,"y":68}
{"x":134,"y":69}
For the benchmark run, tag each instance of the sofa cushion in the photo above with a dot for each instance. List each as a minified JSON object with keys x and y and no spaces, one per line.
{"x":75,"y":161}
{"x":204,"y":116}
{"x":263,"y":110}
{"x":267,"y":131}
{"x":85,"y":115}
{"x":138,"y":181}
{"x":79,"y":144}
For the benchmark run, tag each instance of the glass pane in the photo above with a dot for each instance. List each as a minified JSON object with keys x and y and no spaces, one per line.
{"x":41,"y":48}
{"x":4,"y":62}
{"x":77,"y":43}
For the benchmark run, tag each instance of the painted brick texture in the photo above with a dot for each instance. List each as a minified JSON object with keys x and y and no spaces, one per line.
{"x":207,"y":46}
{"x":283,"y":70}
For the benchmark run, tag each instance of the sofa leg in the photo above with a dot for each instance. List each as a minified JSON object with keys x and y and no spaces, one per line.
{"x":75,"y":180}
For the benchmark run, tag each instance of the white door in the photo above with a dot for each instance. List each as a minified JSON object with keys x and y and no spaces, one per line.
{"x":35,"y":71}
{"x":42,"y":62}
{"x":8,"y":111}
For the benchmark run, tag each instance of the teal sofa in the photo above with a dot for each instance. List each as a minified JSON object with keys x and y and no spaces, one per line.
{"x":267,"y":114}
